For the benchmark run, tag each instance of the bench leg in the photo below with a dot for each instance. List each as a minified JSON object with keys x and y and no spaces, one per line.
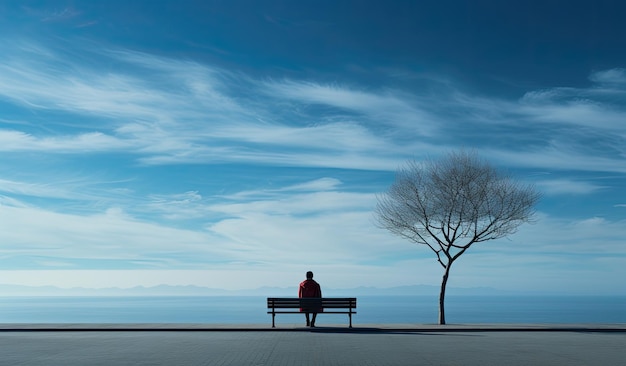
{"x":273,"y":323}
{"x":350,"y":316}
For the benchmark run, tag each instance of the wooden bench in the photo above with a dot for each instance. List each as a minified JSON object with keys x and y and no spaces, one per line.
{"x":330,"y":305}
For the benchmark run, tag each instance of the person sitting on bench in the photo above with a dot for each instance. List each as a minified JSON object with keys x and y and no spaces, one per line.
{"x":310,"y":288}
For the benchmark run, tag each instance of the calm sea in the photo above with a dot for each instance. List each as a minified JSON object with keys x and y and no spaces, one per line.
{"x":371,"y":309}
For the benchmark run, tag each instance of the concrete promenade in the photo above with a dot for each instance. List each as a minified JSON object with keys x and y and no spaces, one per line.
{"x":291,"y":344}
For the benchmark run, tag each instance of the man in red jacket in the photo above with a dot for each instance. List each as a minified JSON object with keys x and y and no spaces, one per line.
{"x":310,"y":288}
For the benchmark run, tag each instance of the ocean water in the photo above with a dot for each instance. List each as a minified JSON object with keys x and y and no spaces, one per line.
{"x":370,"y":309}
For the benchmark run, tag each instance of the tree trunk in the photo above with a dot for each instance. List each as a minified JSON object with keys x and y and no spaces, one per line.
{"x":442,"y":296}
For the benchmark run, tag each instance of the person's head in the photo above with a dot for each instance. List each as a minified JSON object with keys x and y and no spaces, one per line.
{"x":309,"y":275}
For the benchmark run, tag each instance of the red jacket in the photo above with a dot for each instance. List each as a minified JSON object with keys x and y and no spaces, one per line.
{"x":310,"y":288}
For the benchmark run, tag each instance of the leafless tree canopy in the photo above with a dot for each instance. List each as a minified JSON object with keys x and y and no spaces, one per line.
{"x":453,"y":203}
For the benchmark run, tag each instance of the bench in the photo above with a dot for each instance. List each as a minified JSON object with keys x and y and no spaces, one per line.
{"x":330,"y":305}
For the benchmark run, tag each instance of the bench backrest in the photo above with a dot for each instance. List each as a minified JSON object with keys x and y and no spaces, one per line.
{"x":310,"y":302}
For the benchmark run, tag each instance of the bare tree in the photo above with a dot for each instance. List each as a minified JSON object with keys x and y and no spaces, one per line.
{"x":452,"y":203}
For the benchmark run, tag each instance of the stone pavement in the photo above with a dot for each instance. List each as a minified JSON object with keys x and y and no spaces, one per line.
{"x":197,"y":344}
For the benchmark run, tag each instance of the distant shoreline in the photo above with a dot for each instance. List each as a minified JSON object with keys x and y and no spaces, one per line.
{"x":190,"y":290}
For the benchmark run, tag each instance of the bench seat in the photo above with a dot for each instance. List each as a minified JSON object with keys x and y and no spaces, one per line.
{"x":295,"y":305}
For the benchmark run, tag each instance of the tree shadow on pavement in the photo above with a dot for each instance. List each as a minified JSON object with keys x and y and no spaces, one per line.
{"x":386,"y":331}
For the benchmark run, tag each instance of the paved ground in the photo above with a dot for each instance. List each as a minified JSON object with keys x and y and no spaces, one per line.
{"x":375,"y":345}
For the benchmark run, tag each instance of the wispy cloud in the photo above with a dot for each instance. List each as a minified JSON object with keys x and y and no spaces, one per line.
{"x":111,"y":239}
{"x":564,"y":186}
{"x":596,"y":107}
{"x":167,"y":111}
{"x":386,"y":107}
{"x":611,"y":76}
{"x":11,"y":140}
{"x":565,"y":106}
{"x":322,"y":184}
{"x":61,"y":15}
{"x":588,"y":235}
{"x":35,"y":189}
{"x":313,"y":222}
{"x":334,"y":226}
{"x":51,"y":14}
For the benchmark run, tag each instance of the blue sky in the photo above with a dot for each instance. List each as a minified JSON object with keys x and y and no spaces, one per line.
{"x":238,"y":144}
